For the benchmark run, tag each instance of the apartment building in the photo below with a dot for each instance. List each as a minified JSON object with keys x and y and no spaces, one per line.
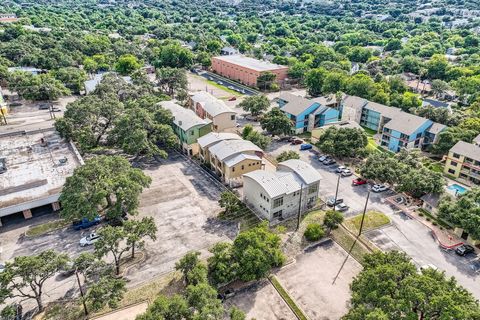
{"x":229,"y":156}
{"x":187,"y":126}
{"x":463,"y":162}
{"x":207,"y":106}
{"x":246,"y":70}
{"x":281,"y":194}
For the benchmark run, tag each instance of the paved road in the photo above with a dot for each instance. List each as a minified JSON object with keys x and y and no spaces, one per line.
{"x":229,"y":83}
{"x":404,"y":233}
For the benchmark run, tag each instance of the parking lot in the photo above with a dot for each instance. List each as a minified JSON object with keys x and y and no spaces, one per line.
{"x":404,"y":233}
{"x":310,"y":281}
{"x":261,"y":301}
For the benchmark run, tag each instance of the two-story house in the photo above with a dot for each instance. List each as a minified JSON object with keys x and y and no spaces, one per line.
{"x":463,"y":162}
{"x":187,"y":126}
{"x":207,"y":106}
{"x":281,"y":194}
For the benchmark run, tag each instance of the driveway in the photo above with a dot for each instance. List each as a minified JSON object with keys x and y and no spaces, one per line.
{"x":309,"y":281}
{"x":404,"y":234}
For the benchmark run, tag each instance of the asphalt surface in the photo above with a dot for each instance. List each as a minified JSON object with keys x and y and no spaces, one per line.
{"x":403,"y":234}
{"x":228,"y":83}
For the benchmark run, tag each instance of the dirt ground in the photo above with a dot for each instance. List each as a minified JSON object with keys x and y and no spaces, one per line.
{"x":261,"y":302}
{"x":309,"y":281}
{"x":128,"y":313}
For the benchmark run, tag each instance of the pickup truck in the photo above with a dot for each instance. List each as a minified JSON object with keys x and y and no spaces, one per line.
{"x":85,"y":223}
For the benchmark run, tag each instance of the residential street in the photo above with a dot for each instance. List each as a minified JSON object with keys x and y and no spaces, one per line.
{"x":403,"y":234}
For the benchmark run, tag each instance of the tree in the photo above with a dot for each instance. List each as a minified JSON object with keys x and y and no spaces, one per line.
{"x":276,"y":122}
{"x":173,"y":55}
{"x":25,"y":276}
{"x":463,"y":213}
{"x":332,"y":219}
{"x":389,"y":287}
{"x":343,"y":142}
{"x":237,"y":314}
{"x":266,"y":80}
{"x":256,"y":105}
{"x":314,"y":232}
{"x":314,"y":80}
{"x":167,"y":308}
{"x":203,"y":301}
{"x":287,"y":155}
{"x":221,"y":266}
{"x":127,"y":64}
{"x":437,"y":67}
{"x":229,"y":202}
{"x":256,"y":137}
{"x":105,"y":184}
{"x":38,"y":87}
{"x":439,"y":87}
{"x":361,"y":85}
{"x":256,"y":251}
{"x":138,"y":230}
{"x":72,"y":78}
{"x":188,"y":263}
{"x":171,"y":80}
{"x":421,"y":181}
{"x":112,"y":240}
{"x":449,"y":137}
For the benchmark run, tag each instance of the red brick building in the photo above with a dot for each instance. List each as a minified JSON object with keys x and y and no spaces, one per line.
{"x":246,"y":70}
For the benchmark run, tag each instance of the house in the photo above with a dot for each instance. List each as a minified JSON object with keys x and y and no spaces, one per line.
{"x":187,"y":126}
{"x":463,"y":162}
{"x":91,"y":85}
{"x":229,"y":156}
{"x":306,"y":114}
{"x":246,"y":70}
{"x":34,"y":71}
{"x":435,"y":103}
{"x":430,"y":202}
{"x":417,"y":86}
{"x":8,"y":17}
{"x":281,"y":194}
{"x":206,"y":106}
{"x":228,"y":51}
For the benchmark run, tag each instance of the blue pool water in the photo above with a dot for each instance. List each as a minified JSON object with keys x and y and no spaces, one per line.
{"x":458,"y":189}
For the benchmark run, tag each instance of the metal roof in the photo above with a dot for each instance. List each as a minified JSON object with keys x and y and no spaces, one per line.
{"x":239,"y":158}
{"x":211,"y":104}
{"x":214,"y":137}
{"x":250,"y":63}
{"x":228,"y":148}
{"x":304,"y":170}
{"x":182,"y":117}
{"x":467,"y":149}
{"x":274,"y":183}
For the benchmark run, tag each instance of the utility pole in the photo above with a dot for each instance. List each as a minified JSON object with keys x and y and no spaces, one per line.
{"x":363,"y":215}
{"x":299,"y":208}
{"x":3,"y":115}
{"x":336,"y":192}
{"x":81,"y":292}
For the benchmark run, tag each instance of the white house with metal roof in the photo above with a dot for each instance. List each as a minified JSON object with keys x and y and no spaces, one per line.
{"x":187,"y":126}
{"x":207,"y":106}
{"x":281,"y":194}
{"x":212,"y":138}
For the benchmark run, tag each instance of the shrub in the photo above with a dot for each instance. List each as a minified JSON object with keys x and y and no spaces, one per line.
{"x":434,"y":223}
{"x":420,"y":214}
{"x":314,"y":232}
{"x":428,"y":218}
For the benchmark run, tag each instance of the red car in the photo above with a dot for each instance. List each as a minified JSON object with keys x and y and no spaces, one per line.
{"x":359,"y":182}
{"x":297,"y":141}
{"x":232,"y":99}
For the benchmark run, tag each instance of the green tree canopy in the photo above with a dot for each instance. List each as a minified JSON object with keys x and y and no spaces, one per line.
{"x":127,"y":64}
{"x":343,"y":142}
{"x":276,"y":122}
{"x":256,"y":105}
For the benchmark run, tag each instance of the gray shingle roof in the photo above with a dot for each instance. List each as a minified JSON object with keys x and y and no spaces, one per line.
{"x":354,"y":102}
{"x":405,"y":123}
{"x":467,"y":149}
{"x":389,"y":112}
{"x":436,"y":128}
{"x":295,"y":104}
{"x":184,"y":118}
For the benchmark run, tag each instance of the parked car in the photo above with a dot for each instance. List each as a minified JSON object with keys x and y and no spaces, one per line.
{"x":428,"y":266}
{"x":43,"y":106}
{"x":359,"y":182}
{"x":379,"y":188}
{"x":231,"y":87}
{"x":323,"y":158}
{"x":341,"y":207}
{"x":297,"y":141}
{"x":340,"y":169}
{"x":232,"y":99}
{"x":85,"y":223}
{"x":306,"y":146}
{"x":475,"y":265}
{"x":464,"y":249}
{"x":346,"y":173}
{"x":331,"y":201}
{"x":329,"y":161}
{"x":89,"y":240}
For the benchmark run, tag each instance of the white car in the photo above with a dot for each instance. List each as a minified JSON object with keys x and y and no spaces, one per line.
{"x":379,"y":188}
{"x":428,"y":266}
{"x":340,"y":169}
{"x":89,"y":240}
{"x":346,"y":173}
{"x":322,"y":158}
{"x":341,"y":207}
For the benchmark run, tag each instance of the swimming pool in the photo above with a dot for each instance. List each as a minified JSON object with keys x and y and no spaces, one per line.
{"x":457,"y":189}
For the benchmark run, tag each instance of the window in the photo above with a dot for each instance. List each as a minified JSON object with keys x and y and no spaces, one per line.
{"x":243,"y":167}
{"x":277,"y":214}
{"x":192,"y":133}
{"x":453,"y":163}
{"x":456,"y":155}
{"x":312,"y":189}
{"x":233,"y":169}
{"x":277,"y":202}
{"x":451,"y":171}
{"x":232,"y":117}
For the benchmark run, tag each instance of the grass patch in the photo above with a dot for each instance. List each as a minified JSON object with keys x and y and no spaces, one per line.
{"x":435,"y":166}
{"x":291,"y":303}
{"x":372,"y":145}
{"x":219,"y":86}
{"x":438,"y":220}
{"x":344,"y":239}
{"x":373,"y":220}
{"x":43,"y":228}
{"x":369,"y":132}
